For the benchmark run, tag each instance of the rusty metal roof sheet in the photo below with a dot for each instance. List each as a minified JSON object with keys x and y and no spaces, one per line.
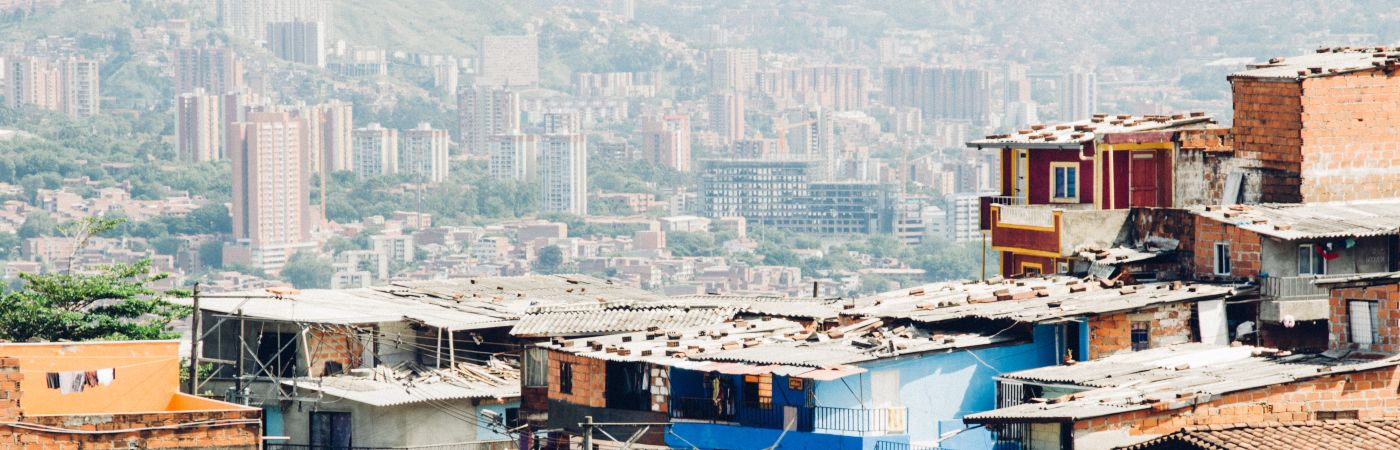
{"x":1294,"y":221}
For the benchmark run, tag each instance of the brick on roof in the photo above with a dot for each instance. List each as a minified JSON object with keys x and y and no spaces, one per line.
{"x":1334,"y":434}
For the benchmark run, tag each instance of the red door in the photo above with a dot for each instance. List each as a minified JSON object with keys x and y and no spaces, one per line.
{"x":1145,"y":180}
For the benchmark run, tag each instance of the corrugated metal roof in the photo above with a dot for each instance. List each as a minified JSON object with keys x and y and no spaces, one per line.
{"x":1072,"y":135}
{"x":1177,"y":376}
{"x":1311,"y":220}
{"x":458,"y":304}
{"x":386,"y":393}
{"x":775,"y":345}
{"x":797,"y":307}
{"x":1030,"y":300}
{"x":619,"y":316}
{"x":1325,"y":62}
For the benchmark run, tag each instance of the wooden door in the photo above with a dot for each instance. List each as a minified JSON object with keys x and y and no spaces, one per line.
{"x":1145,"y":178}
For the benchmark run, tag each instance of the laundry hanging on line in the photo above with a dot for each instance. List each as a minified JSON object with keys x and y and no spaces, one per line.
{"x":72,"y":382}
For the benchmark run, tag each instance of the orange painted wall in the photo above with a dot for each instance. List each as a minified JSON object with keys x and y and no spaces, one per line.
{"x":147,"y":376}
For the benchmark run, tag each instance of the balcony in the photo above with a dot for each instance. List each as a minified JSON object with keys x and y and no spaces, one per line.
{"x":811,"y":419}
{"x":1055,"y":230}
{"x":1295,"y":297}
{"x":984,"y":208}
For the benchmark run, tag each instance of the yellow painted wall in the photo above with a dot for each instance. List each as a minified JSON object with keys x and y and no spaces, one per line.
{"x":147,"y":376}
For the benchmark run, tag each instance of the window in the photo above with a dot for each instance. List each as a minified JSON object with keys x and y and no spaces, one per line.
{"x":1362,"y":314}
{"x":1310,"y":262}
{"x":1222,"y":258}
{"x":330,"y":430}
{"x":758,"y":390}
{"x":1030,"y":269}
{"x":279,"y":352}
{"x":512,"y":418}
{"x":1065,"y":179}
{"x":1142,"y":332}
{"x":536,"y":367}
{"x":566,"y":378}
{"x":628,"y":386}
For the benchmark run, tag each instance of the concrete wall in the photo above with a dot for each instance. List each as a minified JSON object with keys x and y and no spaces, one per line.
{"x":1280,"y":258}
{"x":1101,"y":227}
{"x":399,"y":426}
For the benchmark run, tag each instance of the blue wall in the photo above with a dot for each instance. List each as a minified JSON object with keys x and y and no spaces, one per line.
{"x":940,"y":388}
{"x":485,"y":434}
{"x":716,"y":436}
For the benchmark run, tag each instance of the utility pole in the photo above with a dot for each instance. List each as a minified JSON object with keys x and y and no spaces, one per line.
{"x":587,"y":432}
{"x":194,"y":343}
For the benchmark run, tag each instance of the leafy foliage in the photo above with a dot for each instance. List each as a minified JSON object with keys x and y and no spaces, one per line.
{"x":308,"y":271}
{"x":114,"y":302}
{"x":549,"y":260}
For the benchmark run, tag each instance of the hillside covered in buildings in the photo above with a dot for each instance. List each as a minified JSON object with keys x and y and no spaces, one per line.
{"x":699,"y":224}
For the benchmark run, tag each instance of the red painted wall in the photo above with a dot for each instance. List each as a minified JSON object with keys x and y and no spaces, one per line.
{"x":1039,"y":182}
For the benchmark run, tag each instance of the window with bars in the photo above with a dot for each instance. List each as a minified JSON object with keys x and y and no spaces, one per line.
{"x":1363,"y":321}
{"x":1141,"y":334}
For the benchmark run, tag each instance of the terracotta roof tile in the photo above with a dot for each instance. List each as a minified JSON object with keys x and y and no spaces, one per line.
{"x":1350,"y":434}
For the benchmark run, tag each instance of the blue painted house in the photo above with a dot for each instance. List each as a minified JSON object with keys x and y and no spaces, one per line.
{"x":896,"y":371}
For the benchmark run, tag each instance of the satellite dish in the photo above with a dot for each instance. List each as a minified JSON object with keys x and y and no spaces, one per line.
{"x":1289,"y":321}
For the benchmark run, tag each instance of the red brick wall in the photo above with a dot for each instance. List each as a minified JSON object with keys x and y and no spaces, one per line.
{"x":239,"y":436}
{"x":1352,"y":135}
{"x":1245,"y":256}
{"x":1268,"y":122}
{"x":1372,"y":394}
{"x":337,"y":344}
{"x":1388,"y":313}
{"x":1268,"y":128}
{"x":589,"y":376}
{"x":1112,"y":333}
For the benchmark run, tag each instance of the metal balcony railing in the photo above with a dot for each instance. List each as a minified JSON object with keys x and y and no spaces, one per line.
{"x":868,"y":421}
{"x":1294,"y":288}
{"x":984,"y":208}
{"x":818,"y":419}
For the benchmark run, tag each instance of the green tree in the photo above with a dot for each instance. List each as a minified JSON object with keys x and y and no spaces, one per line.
{"x":37,"y":224}
{"x":550,"y":259}
{"x":308,"y":271}
{"x":211,"y":254}
{"x":9,"y":245}
{"x":116,"y":302}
